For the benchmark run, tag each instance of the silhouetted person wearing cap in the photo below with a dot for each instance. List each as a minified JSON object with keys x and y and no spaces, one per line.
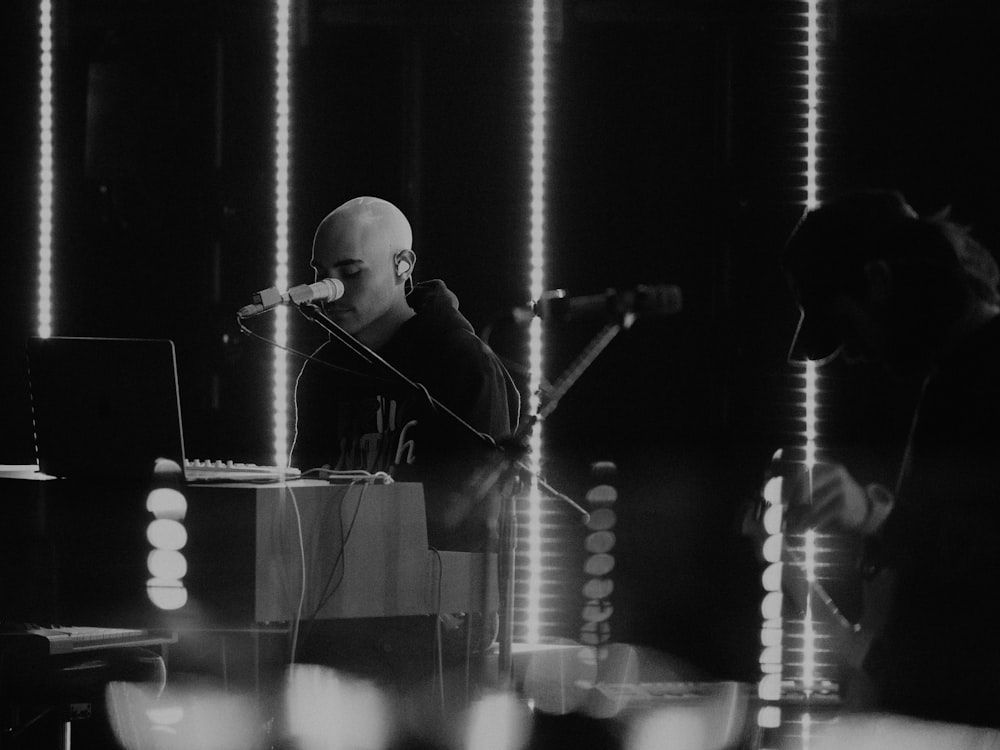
{"x":875,"y":281}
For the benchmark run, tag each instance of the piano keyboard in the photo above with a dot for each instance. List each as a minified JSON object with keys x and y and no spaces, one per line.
{"x":208,"y":472}
{"x":73,"y":639}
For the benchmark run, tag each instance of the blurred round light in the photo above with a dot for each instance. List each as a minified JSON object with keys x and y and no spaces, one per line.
{"x":770,"y":607}
{"x":769,"y":687}
{"x":601,"y":519}
{"x":769,"y":717}
{"x":166,"y":502}
{"x":602,"y":468}
{"x":771,"y":655}
{"x":772,"y":490}
{"x":600,"y":541}
{"x":772,"y":519}
{"x":166,"y":714}
{"x":602,"y":494}
{"x":772,"y":548}
{"x":164,"y":533}
{"x":167,"y":468}
{"x":498,"y":722}
{"x":597,"y":611}
{"x":598,"y":588}
{"x":166,"y":594}
{"x":166,"y":563}
{"x":599,"y":565}
{"x":326,"y":709}
{"x":770,"y":636}
{"x":771,"y":578}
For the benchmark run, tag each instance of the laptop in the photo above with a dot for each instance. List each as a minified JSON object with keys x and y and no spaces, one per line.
{"x":104,"y":407}
{"x":109,"y":407}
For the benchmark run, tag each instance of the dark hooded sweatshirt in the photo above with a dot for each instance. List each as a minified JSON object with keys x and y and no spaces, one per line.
{"x":358,"y":417}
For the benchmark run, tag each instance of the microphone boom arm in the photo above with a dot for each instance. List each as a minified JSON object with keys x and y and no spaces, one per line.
{"x":317,"y":316}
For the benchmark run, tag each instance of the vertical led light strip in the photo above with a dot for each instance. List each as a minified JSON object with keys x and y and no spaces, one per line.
{"x":809,"y":546}
{"x":812,"y":102}
{"x":773,"y":661}
{"x":46,"y":172}
{"x":282,"y":161}
{"x":532,"y":604}
{"x":809,"y":653}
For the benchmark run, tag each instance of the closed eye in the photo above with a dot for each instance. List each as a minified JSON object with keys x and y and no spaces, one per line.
{"x":343,"y":270}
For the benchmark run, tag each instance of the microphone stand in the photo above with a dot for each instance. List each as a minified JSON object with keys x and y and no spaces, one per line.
{"x":502,"y":472}
{"x":317,"y":316}
{"x":498,"y":472}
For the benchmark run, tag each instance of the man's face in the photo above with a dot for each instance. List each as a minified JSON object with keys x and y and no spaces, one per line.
{"x":358,"y":255}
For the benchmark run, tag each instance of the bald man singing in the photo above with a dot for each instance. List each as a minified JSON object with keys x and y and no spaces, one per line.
{"x":353,"y":417}
{"x":367,"y":244}
{"x":362,"y":420}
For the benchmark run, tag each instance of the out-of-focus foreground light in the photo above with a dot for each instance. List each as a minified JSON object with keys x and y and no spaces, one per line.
{"x":497,"y":722}
{"x":182,"y":718}
{"x":714,"y":721}
{"x":167,"y":502}
{"x":167,"y":536}
{"x":600,"y":562}
{"x":326,"y":710}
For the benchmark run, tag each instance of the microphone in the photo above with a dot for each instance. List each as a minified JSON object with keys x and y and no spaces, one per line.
{"x":644,"y":300}
{"x":327,"y":290}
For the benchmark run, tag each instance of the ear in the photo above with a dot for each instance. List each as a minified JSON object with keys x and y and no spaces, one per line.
{"x":878,"y":281}
{"x":405,"y":260}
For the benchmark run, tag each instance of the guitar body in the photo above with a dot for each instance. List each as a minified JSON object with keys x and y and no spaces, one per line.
{"x":823,"y":651}
{"x":854,"y":650}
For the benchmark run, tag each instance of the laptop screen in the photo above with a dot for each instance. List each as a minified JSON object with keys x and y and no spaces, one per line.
{"x":104,"y":407}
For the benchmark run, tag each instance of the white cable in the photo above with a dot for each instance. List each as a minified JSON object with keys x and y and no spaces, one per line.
{"x":302,"y":590}
{"x":295,"y":404}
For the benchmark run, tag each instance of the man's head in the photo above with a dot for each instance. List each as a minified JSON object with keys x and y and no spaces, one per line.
{"x":875,"y":279}
{"x":366,"y":243}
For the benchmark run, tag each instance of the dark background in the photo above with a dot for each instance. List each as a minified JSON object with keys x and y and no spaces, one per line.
{"x":675,"y":151}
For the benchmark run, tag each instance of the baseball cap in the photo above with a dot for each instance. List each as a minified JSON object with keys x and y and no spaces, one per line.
{"x":827,"y":252}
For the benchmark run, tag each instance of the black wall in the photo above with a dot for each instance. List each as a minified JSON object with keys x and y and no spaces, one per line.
{"x":673,"y":159}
